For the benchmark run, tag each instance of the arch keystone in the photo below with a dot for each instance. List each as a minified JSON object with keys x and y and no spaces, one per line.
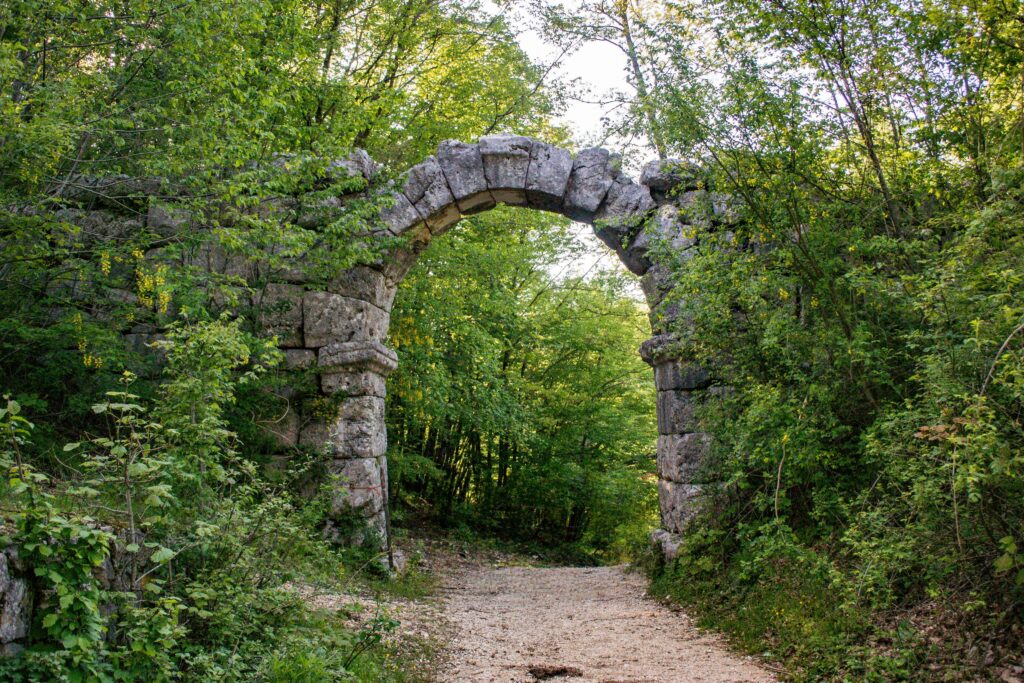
{"x":506,"y":163}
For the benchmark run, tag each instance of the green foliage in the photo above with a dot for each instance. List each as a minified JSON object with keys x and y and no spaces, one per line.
{"x":187,"y":585}
{"x":866,"y":313}
{"x":778,"y":600}
{"x":140,"y":139}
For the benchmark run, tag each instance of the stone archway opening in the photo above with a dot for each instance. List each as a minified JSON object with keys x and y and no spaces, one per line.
{"x":347,"y":324}
{"x":520,"y":402}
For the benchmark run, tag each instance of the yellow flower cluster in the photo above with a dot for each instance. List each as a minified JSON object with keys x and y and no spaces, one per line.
{"x":92,"y":362}
{"x":150,"y":286}
{"x":89,"y":360}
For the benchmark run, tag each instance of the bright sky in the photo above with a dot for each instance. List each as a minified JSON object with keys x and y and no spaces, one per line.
{"x":594,"y":69}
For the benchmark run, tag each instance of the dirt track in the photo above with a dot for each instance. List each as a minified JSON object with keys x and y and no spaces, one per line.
{"x":575,"y":624}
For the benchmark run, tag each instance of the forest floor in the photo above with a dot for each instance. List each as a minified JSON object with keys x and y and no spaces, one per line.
{"x":500,"y":618}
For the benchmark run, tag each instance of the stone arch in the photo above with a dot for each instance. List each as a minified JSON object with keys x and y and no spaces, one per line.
{"x":347,"y":325}
{"x":463,"y":179}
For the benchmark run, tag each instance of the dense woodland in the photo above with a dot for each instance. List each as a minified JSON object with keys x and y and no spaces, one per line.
{"x":523,"y":409}
{"x":864,"y":517}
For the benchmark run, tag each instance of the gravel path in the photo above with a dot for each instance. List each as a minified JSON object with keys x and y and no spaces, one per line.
{"x":575,"y":624}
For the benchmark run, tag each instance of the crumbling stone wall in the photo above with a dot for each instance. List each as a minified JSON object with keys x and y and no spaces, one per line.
{"x":336,"y":329}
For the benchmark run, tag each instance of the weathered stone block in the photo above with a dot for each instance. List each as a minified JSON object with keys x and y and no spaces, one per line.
{"x":673,"y":374}
{"x":677,"y":412}
{"x":658,"y":349}
{"x":166,"y":220}
{"x":614,"y":237}
{"x":299,"y":359}
{"x":15,"y":602}
{"x":279,"y":312}
{"x":364,"y":383}
{"x":397,"y":262}
{"x":670,"y":310}
{"x":463,"y":167}
{"x":589,"y":182}
{"x":314,"y":214}
{"x":682,"y":454}
{"x":725,"y":209}
{"x":668,"y":230}
{"x":283,"y":429}
{"x":315,"y":435}
{"x":506,"y":161}
{"x":358,"y":163}
{"x":667,"y":542}
{"x":331,"y":317}
{"x":678,"y":504}
{"x":399,"y":216}
{"x":428,"y":192}
{"x":626,"y":204}
{"x":548,"y":176}
{"x":695,"y":208}
{"x":145,"y":344}
{"x":377,"y":527}
{"x":363,"y":282}
{"x":668,"y":175}
{"x":360,"y":487}
{"x":359,"y":430}
{"x":358,"y":356}
{"x":635,"y":254}
{"x":656,"y":283}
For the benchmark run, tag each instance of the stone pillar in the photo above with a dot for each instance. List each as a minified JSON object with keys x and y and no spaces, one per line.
{"x":354,"y":372}
{"x":346,"y":326}
{"x":682,"y":446}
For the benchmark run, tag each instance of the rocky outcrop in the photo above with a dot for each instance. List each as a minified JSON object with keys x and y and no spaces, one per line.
{"x":15,"y":602}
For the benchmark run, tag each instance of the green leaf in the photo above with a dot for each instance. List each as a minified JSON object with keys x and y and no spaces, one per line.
{"x":162,"y":555}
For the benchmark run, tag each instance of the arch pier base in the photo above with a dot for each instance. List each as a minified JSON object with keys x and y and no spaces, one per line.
{"x":354,"y":373}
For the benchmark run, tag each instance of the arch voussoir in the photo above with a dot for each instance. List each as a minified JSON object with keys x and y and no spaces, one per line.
{"x":427,"y":190}
{"x":400,"y":216}
{"x":547,"y":176}
{"x":591,"y":178}
{"x":463,"y":168}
